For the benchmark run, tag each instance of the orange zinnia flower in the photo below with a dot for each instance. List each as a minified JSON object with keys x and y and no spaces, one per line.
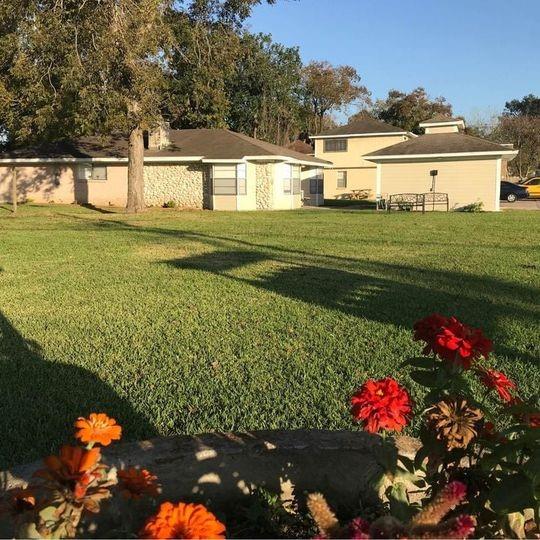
{"x":183,"y":521}
{"x":98,"y":428}
{"x":138,"y":482}
{"x":73,"y":462}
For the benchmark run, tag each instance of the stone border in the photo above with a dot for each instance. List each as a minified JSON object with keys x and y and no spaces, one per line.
{"x":224,"y":467}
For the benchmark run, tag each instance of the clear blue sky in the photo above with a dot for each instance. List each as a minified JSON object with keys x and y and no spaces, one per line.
{"x":476,"y":53}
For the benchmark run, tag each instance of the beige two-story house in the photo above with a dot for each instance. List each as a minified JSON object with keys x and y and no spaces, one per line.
{"x":351,"y":175}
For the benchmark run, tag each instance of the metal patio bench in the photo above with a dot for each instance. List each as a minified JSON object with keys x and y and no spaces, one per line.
{"x":431,"y":200}
{"x":406,"y":201}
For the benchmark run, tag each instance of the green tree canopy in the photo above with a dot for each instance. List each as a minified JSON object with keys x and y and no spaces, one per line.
{"x":408,"y":110}
{"x":526,"y":106}
{"x":329,"y":89}
{"x":77,"y":67}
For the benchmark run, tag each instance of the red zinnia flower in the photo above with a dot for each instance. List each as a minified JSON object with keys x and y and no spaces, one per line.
{"x":382,"y":404}
{"x":460,"y":344}
{"x":497,"y":380}
{"x":427,"y":329}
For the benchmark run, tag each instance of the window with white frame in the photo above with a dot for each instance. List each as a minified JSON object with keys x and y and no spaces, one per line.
{"x":342,"y":179}
{"x":291,"y":179}
{"x":91,"y":173}
{"x":335,"y":145}
{"x":229,"y":179}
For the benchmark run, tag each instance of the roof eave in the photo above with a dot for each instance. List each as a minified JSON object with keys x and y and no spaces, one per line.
{"x":347,"y":135}
{"x":497,"y":153}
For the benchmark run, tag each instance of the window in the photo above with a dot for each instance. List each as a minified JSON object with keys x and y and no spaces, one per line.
{"x":335,"y":145}
{"x":91,"y":173}
{"x":229,"y":179}
{"x":291,"y":179}
{"x":316,"y":183}
{"x":316,"y":186}
{"x":342,"y":179}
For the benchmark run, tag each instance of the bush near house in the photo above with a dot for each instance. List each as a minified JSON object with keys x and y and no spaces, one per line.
{"x":190,"y":322}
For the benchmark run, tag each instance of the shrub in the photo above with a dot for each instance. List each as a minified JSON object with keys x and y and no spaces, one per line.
{"x":473,"y":207}
{"x":169,"y":204}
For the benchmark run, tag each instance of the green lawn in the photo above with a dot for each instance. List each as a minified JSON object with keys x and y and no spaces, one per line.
{"x":187,"y":322}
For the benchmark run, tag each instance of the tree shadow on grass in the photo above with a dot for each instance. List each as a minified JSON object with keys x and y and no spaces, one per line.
{"x":387,"y":293}
{"x":40,"y":400}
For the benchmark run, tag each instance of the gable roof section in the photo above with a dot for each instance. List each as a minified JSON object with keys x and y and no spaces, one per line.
{"x":186,"y":145}
{"x":442,"y":119}
{"x":300,"y":146}
{"x":441,"y":145}
{"x":362,"y":127}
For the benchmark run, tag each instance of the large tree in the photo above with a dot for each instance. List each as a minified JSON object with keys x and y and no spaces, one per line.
{"x":201,"y":67}
{"x":520,"y":125}
{"x":408,"y":110}
{"x":77,"y":67}
{"x":526,"y":106}
{"x":265,"y":90}
{"x":330,"y":89}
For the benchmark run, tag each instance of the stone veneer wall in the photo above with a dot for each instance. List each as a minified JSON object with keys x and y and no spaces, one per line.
{"x":186,"y":185}
{"x":264,"y":177}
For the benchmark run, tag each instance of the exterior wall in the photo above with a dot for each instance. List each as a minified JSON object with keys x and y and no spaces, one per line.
{"x":264,"y":182}
{"x":281,"y":200}
{"x":41,"y":184}
{"x":441,"y":129}
{"x":112,"y":192}
{"x":357,"y":179}
{"x":360,"y":173}
{"x":186,"y":184}
{"x":465,"y":181}
{"x":58,"y":183}
{"x":249,"y":200}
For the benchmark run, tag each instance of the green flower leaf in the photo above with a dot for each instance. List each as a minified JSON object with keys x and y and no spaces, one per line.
{"x":513,"y":493}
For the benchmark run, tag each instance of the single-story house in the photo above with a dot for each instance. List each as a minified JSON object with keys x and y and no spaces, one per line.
{"x":196,"y":168}
{"x":469,"y":169}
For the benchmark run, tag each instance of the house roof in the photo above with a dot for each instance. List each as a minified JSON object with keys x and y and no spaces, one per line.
{"x":300,"y":146}
{"x":199,"y":144}
{"x":442,"y":119}
{"x":441,"y":144}
{"x":362,"y":126}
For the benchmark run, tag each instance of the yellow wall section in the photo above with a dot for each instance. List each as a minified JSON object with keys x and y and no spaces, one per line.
{"x":465,"y":181}
{"x":360,"y":173}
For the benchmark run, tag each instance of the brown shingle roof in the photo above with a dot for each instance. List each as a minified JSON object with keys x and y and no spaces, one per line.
{"x":439,"y":143}
{"x":300,"y":146}
{"x":197,"y":143}
{"x":360,"y":127}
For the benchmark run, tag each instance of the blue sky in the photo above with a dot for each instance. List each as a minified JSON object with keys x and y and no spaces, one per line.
{"x":476,"y":53}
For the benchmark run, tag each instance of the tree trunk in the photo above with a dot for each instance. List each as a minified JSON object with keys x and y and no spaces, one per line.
{"x":14,"y":189}
{"x":135,"y":195}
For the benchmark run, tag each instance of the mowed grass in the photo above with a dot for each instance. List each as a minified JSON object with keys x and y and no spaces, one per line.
{"x":188,"y":322}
